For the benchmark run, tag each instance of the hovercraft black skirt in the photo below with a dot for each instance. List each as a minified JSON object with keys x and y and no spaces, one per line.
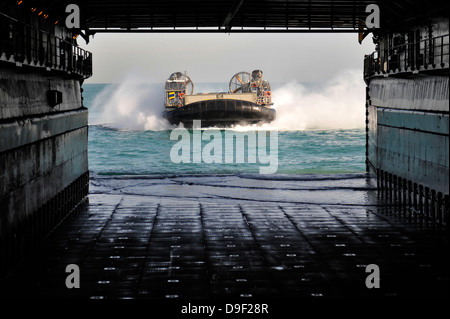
{"x":220,"y":113}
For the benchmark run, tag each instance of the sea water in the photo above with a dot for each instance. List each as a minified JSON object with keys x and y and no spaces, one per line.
{"x":320,"y":128}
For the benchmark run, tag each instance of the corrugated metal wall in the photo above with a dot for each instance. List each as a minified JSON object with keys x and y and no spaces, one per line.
{"x":408,"y":136}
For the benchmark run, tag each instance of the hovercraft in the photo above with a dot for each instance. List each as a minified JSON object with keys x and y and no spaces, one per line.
{"x":248,"y":101}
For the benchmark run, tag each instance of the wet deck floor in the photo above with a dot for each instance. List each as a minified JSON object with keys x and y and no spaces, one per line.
{"x":195,"y":237}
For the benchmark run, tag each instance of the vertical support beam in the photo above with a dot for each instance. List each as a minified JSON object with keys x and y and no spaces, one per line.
{"x":439,"y":210}
{"x":433,"y":205}
{"x":367,"y":128}
{"x":426,"y":198}
{"x":309,"y":14}
{"x":421,"y":198}
{"x":379,"y":182}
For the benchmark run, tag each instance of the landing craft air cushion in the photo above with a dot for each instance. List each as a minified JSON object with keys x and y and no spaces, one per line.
{"x":249,"y":101}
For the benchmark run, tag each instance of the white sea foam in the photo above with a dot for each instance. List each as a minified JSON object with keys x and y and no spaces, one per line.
{"x":339,"y":104}
{"x":135,"y":104}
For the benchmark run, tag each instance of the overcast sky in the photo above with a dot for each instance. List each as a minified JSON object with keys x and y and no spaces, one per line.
{"x":302,"y":57}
